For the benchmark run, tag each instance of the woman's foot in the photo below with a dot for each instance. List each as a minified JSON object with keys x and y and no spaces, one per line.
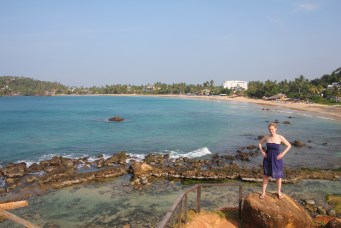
{"x":280,"y":196}
{"x":261,"y":196}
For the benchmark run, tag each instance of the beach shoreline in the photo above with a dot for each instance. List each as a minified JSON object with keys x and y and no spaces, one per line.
{"x":317,"y":110}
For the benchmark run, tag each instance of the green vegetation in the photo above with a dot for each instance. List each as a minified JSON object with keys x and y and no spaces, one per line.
{"x":301,"y":88}
{"x":324,"y":90}
{"x":29,"y":87}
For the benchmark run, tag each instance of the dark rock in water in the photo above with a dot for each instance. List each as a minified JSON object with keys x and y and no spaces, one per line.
{"x":116,"y":119}
{"x":243,"y":156}
{"x":298,"y":143}
{"x":251,"y":147}
{"x":324,"y":144}
{"x":273,"y":212}
{"x":286,"y":122}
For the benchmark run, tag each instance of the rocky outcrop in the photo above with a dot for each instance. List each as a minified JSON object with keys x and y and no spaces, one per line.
{"x":273,"y":212}
{"x":298,"y":143}
{"x":116,"y":119}
{"x":59,"y":172}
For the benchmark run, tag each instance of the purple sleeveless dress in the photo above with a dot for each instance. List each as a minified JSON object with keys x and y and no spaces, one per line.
{"x":273,"y":167}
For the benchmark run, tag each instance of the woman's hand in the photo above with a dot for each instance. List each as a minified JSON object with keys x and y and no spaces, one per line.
{"x":280,"y":156}
{"x":264,"y":154}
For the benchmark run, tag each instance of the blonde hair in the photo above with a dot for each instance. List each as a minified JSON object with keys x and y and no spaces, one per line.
{"x":272,"y":125}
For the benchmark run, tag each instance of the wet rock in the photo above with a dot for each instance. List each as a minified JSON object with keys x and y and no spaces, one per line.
{"x":31,"y":178}
{"x":12,"y":181}
{"x":260,"y":137}
{"x":119,"y":158}
{"x":99,"y":162}
{"x":116,"y":119}
{"x":286,"y":122}
{"x":157,"y":159}
{"x":14,"y":170}
{"x":228,"y":157}
{"x":34,"y":168}
{"x":298,"y":143}
{"x":243,"y":156}
{"x":251,"y":147}
{"x":67,"y":162}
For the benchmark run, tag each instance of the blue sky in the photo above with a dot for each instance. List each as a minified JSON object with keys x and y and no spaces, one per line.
{"x":85,"y":43}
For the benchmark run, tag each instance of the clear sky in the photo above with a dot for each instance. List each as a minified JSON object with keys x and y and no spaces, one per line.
{"x":85,"y":43}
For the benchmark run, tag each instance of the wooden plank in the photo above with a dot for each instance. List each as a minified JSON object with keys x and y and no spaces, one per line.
{"x":17,"y":219}
{"x":13,"y":205}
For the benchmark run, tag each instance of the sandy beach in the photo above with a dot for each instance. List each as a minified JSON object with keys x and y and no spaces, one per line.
{"x":318,"y":110}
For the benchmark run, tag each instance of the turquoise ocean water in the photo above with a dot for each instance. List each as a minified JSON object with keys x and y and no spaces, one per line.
{"x":37,"y":128}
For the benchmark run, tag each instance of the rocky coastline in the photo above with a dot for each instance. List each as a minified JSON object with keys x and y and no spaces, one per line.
{"x":21,"y":182}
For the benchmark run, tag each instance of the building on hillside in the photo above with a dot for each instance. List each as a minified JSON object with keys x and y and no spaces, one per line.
{"x":235,"y":85}
{"x":334,"y":84}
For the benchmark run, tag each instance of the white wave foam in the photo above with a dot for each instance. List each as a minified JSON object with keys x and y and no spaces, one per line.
{"x":136,"y":157}
{"x":193,"y":154}
{"x":326,"y":118}
{"x":28,"y":162}
{"x":284,"y":111}
{"x":174,"y":154}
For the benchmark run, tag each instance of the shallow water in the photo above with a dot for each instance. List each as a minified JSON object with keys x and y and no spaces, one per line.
{"x":115,"y":203}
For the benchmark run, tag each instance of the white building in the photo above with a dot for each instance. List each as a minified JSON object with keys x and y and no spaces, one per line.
{"x":235,"y":85}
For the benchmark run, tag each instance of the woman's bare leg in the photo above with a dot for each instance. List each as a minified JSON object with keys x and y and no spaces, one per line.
{"x":265,"y":184}
{"x":279,"y":187}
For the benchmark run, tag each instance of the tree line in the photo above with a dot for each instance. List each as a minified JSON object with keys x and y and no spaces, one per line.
{"x":318,"y":90}
{"x":326,"y":89}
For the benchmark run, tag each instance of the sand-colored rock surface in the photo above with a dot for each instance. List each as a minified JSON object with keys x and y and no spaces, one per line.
{"x":273,"y":212}
{"x":209,"y":220}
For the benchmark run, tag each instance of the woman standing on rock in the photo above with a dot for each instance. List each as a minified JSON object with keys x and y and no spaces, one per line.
{"x":272,"y":162}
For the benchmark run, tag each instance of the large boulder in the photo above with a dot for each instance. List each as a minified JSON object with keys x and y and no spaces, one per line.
{"x":273,"y":212}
